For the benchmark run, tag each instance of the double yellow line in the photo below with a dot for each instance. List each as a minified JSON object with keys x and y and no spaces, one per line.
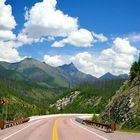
{"x":55,"y":131}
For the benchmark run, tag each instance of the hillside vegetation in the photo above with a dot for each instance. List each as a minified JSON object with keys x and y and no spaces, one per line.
{"x":25,"y":99}
{"x":93,"y":97}
{"x":125,"y":104}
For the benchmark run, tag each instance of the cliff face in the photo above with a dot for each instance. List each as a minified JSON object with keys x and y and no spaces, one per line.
{"x":125,"y":105}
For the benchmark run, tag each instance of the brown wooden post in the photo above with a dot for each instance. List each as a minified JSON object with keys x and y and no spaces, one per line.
{"x":113,"y":126}
{"x":2,"y":123}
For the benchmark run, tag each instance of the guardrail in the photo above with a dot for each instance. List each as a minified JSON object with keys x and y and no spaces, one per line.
{"x":4,"y":124}
{"x":108,"y":127}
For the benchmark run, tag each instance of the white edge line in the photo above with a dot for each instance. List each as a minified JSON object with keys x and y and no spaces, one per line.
{"x":20,"y":130}
{"x":88,"y":130}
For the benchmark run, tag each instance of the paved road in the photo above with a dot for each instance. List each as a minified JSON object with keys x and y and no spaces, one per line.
{"x":60,"y":128}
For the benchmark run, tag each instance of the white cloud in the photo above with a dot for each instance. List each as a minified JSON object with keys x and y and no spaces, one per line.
{"x":9,"y":54}
{"x":100,"y":37}
{"x":116,"y":59}
{"x":7,"y":21}
{"x":56,"y":60}
{"x":79,"y":38}
{"x":134,"y":37}
{"x":8,"y":43}
{"x":7,"y":35}
{"x":45,"y":20}
{"x":123,"y":46}
{"x":28,"y":40}
{"x":120,"y":56}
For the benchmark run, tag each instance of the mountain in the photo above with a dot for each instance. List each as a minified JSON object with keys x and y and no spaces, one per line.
{"x":108,"y":75}
{"x":69,"y":68}
{"x":11,"y":75}
{"x":62,"y":76}
{"x":74,"y":76}
{"x":124,"y":76}
{"x":42,"y":73}
{"x":37,"y":71}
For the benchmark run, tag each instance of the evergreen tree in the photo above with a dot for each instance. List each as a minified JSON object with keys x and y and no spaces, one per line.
{"x":135,"y":69}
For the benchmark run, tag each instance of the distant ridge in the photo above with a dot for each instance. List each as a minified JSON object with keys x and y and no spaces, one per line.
{"x":108,"y":75}
{"x":62,"y":76}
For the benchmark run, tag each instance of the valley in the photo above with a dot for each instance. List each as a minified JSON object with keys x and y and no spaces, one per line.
{"x":33,"y":88}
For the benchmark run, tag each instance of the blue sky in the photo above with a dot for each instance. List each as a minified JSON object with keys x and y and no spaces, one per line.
{"x":115,"y":23}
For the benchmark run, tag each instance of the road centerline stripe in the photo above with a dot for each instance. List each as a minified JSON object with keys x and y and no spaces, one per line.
{"x":55,"y":130}
{"x":88,"y":130}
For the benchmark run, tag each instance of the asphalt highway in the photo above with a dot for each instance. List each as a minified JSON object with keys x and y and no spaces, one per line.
{"x":60,"y":128}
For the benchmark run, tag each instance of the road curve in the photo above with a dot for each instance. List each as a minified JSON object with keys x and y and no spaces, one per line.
{"x":60,"y":128}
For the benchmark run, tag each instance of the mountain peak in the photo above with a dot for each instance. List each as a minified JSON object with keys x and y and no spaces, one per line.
{"x":28,"y":59}
{"x":71,"y":64}
{"x":107,"y":75}
{"x":69,"y":67}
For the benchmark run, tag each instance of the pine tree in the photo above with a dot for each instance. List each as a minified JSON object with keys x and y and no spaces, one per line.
{"x":135,"y":69}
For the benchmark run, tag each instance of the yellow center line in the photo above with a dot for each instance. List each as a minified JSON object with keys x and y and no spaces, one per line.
{"x":55,"y":131}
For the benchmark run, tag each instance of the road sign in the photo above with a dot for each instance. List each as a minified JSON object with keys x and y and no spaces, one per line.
{"x":2,"y":101}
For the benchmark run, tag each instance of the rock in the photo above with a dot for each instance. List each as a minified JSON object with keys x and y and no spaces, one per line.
{"x":125,"y":104}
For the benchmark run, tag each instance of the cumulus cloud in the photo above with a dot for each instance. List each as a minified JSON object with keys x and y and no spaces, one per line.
{"x":56,"y":60}
{"x":79,"y":38}
{"x":8,"y":43}
{"x":9,"y":53}
{"x":99,"y":37}
{"x":134,"y":37}
{"x":123,"y":46}
{"x":7,"y":21}
{"x":117,"y":59}
{"x":24,"y":39}
{"x":44,"y":20}
{"x":7,"y":35}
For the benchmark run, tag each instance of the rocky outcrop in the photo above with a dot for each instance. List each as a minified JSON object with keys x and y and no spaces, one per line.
{"x":124,"y":107}
{"x":61,"y":103}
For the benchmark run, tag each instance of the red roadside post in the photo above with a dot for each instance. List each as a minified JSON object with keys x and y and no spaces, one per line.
{"x":113,"y":126}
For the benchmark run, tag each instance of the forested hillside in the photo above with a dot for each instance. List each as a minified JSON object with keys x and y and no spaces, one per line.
{"x":25,"y":99}
{"x":93,"y":97}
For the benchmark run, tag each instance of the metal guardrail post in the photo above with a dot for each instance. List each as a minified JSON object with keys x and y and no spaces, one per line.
{"x":109,"y":127}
